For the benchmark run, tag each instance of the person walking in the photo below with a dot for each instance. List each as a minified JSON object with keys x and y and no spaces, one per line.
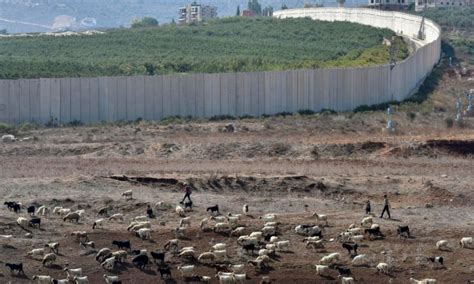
{"x":187,"y":193}
{"x":386,"y":207}
{"x":368,"y":208}
{"x":149,"y":212}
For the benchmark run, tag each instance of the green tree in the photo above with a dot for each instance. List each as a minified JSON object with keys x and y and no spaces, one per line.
{"x":255,"y":7}
{"x":238,"y":11}
{"x":3,"y":32}
{"x":145,"y":22}
{"x":340,"y":3}
{"x":284,"y":7}
{"x":267,"y":11}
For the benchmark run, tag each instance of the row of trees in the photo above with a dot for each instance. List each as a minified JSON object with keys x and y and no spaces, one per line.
{"x":256,"y":8}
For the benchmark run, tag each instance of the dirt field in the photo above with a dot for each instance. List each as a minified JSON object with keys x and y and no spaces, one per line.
{"x":293,"y":166}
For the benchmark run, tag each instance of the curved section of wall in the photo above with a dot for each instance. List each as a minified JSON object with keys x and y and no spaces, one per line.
{"x":92,"y":100}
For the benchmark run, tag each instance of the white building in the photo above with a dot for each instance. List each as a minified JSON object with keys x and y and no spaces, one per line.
{"x":420,"y":4}
{"x":196,"y":13}
{"x":390,"y":4}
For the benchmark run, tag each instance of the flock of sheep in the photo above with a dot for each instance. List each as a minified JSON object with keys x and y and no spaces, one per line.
{"x":257,"y":249}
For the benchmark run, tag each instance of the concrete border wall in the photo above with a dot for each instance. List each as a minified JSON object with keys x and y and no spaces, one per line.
{"x":93,"y":100}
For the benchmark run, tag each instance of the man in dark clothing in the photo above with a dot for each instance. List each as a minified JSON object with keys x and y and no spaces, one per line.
{"x":187,"y":193}
{"x":386,"y":207}
{"x":368,"y":208}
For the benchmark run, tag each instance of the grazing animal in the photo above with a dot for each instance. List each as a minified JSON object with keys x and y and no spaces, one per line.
{"x":360,"y":260}
{"x":103,"y":254}
{"x":80,"y":235}
{"x":71,"y":273}
{"x":22,"y":222}
{"x":15,"y":266}
{"x":374,"y":232}
{"x":331,"y":259}
{"x":165,"y":272}
{"x":466,"y":242}
{"x":81,"y":280}
{"x":144,"y":234}
{"x":42,"y":210}
{"x":350,"y":247}
{"x":245,"y":209}
{"x":141,"y":261}
{"x":343,"y":270}
{"x":437,"y":261}
{"x":49,"y":259}
{"x":213,"y":209}
{"x":60,"y":281}
{"x":186,"y":270}
{"x":103,"y":212}
{"x":42,"y":279}
{"x":120,"y":255}
{"x":97,"y":222}
{"x":309,"y":231}
{"x":109,"y":263}
{"x":36,"y":252}
{"x":117,"y":216}
{"x":112,"y":279}
{"x":172,"y":246}
{"x":424,"y":281}
{"x":188,"y":205}
{"x":158,"y":256}
{"x":403,"y":231}
{"x":185,"y":222}
{"x":382,"y":268}
{"x":315,"y":244}
{"x":127,"y":194}
{"x":31,"y":210}
{"x":180,"y":211}
{"x":367,"y":222}
{"x":72,"y":216}
{"x":321,"y":218}
{"x":322,"y":270}
{"x":13,"y":206}
{"x":347,"y":280}
{"x":85,"y":245}
{"x":35,"y":222}
{"x":442,"y":245}
{"x":122,"y":244}
{"x":54,"y":247}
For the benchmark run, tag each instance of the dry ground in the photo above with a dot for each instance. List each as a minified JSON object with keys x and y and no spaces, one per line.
{"x":289,"y":166}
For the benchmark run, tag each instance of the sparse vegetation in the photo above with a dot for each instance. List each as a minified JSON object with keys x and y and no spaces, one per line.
{"x":226,"y":45}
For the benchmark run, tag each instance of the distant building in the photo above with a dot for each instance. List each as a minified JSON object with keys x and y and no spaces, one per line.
{"x":247,"y":13}
{"x":194,"y":12}
{"x":391,"y":4}
{"x":420,"y":4}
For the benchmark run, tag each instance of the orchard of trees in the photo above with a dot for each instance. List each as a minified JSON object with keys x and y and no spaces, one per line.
{"x":226,"y":45}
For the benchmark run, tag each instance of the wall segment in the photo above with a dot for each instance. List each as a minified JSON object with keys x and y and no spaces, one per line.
{"x":93,"y":100}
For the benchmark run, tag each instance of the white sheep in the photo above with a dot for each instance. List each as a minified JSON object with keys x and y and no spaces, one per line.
{"x":219,"y":219}
{"x":321,"y":218}
{"x":240,"y":278}
{"x":424,"y":281}
{"x":311,"y":239}
{"x":219,"y":246}
{"x":375,"y":226}
{"x":71,"y":273}
{"x":315,"y":244}
{"x":185,"y":222}
{"x":22,"y":222}
{"x":127,"y":194}
{"x":283,"y":245}
{"x":226,"y":278}
{"x":162,"y":206}
{"x":245,"y":209}
{"x":141,"y":218}
{"x":187,"y":253}
{"x":180,"y":233}
{"x":322,"y":270}
{"x":140,"y":225}
{"x":186,"y":270}
{"x":8,"y":138}
{"x":72,"y":216}
{"x":347,"y":280}
{"x":36,"y":252}
{"x":274,"y":239}
{"x":43,"y":279}
{"x":247,"y":240}
{"x":49,"y":259}
{"x":63,"y":211}
{"x":111,"y":279}
{"x":53,"y":247}
{"x":309,"y":231}
{"x":442,"y":245}
{"x":104,"y":252}
{"x":239,"y":231}
{"x":268,"y":231}
{"x":81,"y":280}
{"x":85,"y":245}
{"x":263,"y":252}
{"x":144,"y":233}
{"x":117,"y":217}
{"x":109,"y":263}
{"x":357,"y":239}
{"x":382,"y":267}
{"x":80,"y":235}
{"x":361,"y":260}
{"x":257,"y":235}
{"x":330,"y":259}
{"x":356,"y":231}
{"x":56,"y":209}
{"x":172,"y":246}
{"x":268,"y":217}
{"x":180,"y":211}
{"x":98,"y":222}
{"x":466,"y":242}
{"x":120,"y":255}
{"x":367,"y":222}
{"x":237,"y":268}
{"x":42,"y":210}
{"x":207,"y":257}
{"x":221,"y":255}
{"x":60,"y":281}
{"x":222,"y":228}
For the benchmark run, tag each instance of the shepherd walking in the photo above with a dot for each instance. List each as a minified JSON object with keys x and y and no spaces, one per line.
{"x":386,"y":207}
{"x":187,"y":193}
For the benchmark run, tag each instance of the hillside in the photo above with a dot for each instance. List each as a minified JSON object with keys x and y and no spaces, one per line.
{"x":227,"y":45}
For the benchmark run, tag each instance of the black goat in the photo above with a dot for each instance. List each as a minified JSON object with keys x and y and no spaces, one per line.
{"x":12,"y":205}
{"x":31,"y":210}
{"x":374,"y":232}
{"x":15,"y":266}
{"x":249,"y":248}
{"x":35,"y":222}
{"x":213,"y":209}
{"x":350,"y":247}
{"x":103,"y":211}
{"x":189,"y":205}
{"x":343,"y":270}
{"x":141,"y":261}
{"x":122,"y":244}
{"x":403,"y":231}
{"x":165,"y":272}
{"x":158,"y":255}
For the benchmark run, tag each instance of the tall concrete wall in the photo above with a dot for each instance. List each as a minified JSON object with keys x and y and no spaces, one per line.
{"x":93,"y":100}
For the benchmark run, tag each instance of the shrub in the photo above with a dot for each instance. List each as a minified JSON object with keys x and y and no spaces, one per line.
{"x":7,"y":129}
{"x":75,"y":123}
{"x":221,"y":117}
{"x":306,"y":112}
{"x":411,"y":115}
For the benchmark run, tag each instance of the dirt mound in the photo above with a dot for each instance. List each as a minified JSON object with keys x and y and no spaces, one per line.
{"x":347,"y":150}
